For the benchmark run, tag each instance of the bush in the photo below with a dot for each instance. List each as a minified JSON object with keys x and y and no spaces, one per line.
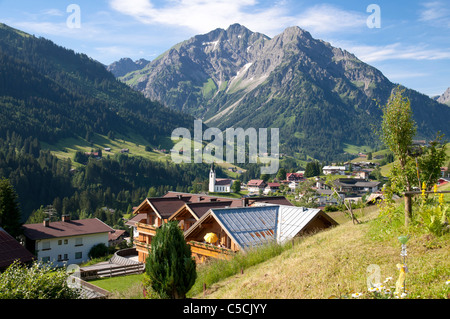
{"x":97,"y":251}
{"x":40,"y":281}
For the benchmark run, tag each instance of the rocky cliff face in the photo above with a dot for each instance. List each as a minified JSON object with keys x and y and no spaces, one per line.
{"x":445,"y":97}
{"x":125,"y":66}
{"x":320,"y":97}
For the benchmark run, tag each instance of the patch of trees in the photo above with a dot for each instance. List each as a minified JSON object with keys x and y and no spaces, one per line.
{"x":105,"y":189}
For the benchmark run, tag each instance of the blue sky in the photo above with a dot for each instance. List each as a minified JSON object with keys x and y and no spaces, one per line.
{"x":411,"y":45}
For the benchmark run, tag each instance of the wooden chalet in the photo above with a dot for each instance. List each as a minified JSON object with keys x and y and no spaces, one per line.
{"x":243,"y":228}
{"x":154,"y":212}
{"x":188,"y":209}
{"x":188,"y":214}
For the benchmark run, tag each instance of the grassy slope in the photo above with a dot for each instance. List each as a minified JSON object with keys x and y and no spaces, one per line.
{"x":66,"y":148}
{"x":334,"y":262}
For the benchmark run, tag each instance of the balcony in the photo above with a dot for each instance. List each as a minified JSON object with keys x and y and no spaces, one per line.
{"x":209,"y":250}
{"x":142,"y":247}
{"x":146,"y":229}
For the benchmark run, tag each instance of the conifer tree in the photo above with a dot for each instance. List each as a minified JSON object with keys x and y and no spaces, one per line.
{"x":10,"y":217}
{"x":169,"y":266}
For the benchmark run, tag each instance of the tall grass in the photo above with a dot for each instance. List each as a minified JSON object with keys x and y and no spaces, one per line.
{"x":216,"y":270}
{"x":335,"y":262}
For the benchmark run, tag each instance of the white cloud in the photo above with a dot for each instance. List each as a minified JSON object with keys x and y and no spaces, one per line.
{"x":397,"y":51}
{"x":53,"y":12}
{"x":326,"y":18}
{"x":205,"y":15}
{"x":436,"y":13}
{"x":198,"y":15}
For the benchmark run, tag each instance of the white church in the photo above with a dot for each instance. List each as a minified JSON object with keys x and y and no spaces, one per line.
{"x":218,"y":185}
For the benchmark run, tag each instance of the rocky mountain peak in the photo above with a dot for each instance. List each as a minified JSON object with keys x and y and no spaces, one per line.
{"x":126,"y":65}
{"x":235,"y":77}
{"x":445,"y":97}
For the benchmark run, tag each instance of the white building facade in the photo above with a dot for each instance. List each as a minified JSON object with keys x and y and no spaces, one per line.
{"x":66,"y":242}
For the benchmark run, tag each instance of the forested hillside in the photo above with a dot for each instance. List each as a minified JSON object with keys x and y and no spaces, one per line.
{"x":104,"y":189}
{"x":48,"y":93}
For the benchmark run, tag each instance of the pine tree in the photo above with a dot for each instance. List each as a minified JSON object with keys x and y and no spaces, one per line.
{"x":170,"y":266}
{"x":10,"y":216}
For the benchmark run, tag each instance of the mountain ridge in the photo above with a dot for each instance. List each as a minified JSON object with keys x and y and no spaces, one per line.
{"x":318,"y":95}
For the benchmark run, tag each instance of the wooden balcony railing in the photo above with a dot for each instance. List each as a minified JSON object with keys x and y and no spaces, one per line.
{"x":142,"y":247}
{"x":209,"y":250}
{"x":146,"y":229}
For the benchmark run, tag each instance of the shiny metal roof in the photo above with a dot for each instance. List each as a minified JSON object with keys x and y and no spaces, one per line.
{"x":249,"y":226}
{"x":253,"y":226}
{"x":291,"y":220}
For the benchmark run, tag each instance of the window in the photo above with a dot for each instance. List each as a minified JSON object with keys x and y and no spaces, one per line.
{"x":79,"y":242}
{"x":78,"y":255}
{"x":60,"y":242}
{"x":66,"y":241}
{"x":46,"y":259}
{"x":60,"y":257}
{"x":46,"y":245}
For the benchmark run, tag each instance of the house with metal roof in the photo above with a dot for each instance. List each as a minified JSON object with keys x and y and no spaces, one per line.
{"x":244,"y":228}
{"x":356,"y":185}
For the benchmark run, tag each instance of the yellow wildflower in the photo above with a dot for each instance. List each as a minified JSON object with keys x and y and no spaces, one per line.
{"x":441,"y":199}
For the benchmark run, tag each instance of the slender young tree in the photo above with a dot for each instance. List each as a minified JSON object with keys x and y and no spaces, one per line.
{"x":398,"y":129}
{"x":169,"y":266}
{"x":10,"y":216}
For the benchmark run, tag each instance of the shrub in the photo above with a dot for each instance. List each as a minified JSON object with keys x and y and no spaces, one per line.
{"x":40,"y":281}
{"x":97,"y":251}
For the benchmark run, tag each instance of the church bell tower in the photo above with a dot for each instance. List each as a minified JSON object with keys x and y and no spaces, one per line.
{"x":212,"y":179}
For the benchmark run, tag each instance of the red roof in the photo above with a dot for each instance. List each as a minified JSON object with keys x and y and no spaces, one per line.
{"x":116,"y":234}
{"x":273,"y":185}
{"x":65,"y":229}
{"x":295,"y":176}
{"x":255,"y":182}
{"x":11,"y":250}
{"x":199,"y":198}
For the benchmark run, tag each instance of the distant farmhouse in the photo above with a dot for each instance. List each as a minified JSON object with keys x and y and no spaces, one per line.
{"x":333,"y":170}
{"x":256,"y":185}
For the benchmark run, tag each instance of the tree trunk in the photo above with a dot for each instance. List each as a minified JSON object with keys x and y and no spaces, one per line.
{"x":408,"y":209}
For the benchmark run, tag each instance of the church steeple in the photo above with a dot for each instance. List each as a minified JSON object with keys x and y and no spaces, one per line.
{"x":212,"y":179}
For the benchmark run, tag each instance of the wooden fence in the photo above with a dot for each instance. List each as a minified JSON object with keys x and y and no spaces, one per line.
{"x":118,"y":265}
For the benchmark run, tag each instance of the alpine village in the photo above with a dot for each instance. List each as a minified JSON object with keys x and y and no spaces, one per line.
{"x":94,"y":205}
